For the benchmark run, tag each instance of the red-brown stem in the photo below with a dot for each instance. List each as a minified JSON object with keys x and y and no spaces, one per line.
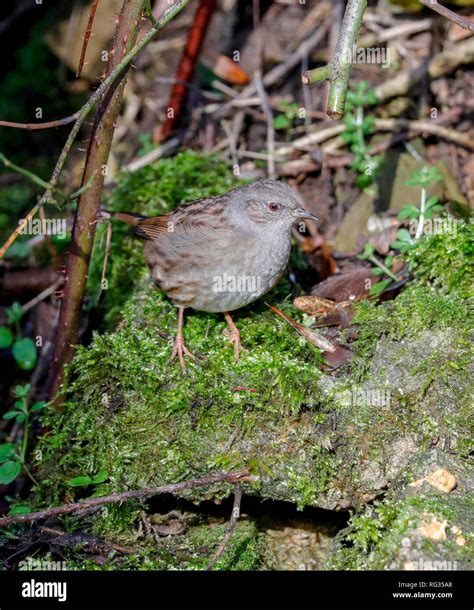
{"x":88,"y":205}
{"x":87,"y":35}
{"x":186,"y":67}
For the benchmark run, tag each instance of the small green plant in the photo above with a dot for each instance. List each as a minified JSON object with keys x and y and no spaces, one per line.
{"x":13,"y":456}
{"x":380,"y":269}
{"x":290,"y":112}
{"x":84,"y":481}
{"x":405,"y":242}
{"x":357,"y":127}
{"x":23,"y":348}
{"x":428,"y":206}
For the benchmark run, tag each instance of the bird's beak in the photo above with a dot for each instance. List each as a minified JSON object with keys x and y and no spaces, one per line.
{"x":301,"y":213}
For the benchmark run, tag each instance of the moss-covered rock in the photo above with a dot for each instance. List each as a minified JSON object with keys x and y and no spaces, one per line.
{"x":313,"y":439}
{"x":416,"y":526}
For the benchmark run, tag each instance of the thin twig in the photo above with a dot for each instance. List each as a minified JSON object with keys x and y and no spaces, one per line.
{"x":42,"y":295}
{"x":219,"y":477}
{"x":234,"y":517}
{"x":171,"y":12}
{"x":270,"y":129}
{"x":435,"y":6}
{"x":87,"y":35}
{"x":432,"y":127}
{"x":47,"y":125}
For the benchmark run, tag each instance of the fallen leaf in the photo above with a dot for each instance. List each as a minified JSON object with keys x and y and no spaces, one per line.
{"x":230,"y":71}
{"x":351,"y":284}
{"x":310,"y":335}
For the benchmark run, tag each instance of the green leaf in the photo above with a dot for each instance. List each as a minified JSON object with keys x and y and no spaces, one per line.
{"x":377,"y":271}
{"x":431,"y":201}
{"x":79,"y":481}
{"x":379,"y":287}
{"x":10,"y":414}
{"x":21,"y":391}
{"x":7,"y":450}
{"x":14,"y":313}
{"x":408,"y":211}
{"x":368,"y":251}
{"x":404,"y":235}
{"x":281,"y":122}
{"x":9,"y":472}
{"x":349,"y":137}
{"x":388,"y":261}
{"x":6,"y":337}
{"x":368,"y":125}
{"x":19,"y":509}
{"x":24,"y":352}
{"x":100,"y":477}
{"x":363,"y":181}
{"x":38,"y":406}
{"x":20,"y":418}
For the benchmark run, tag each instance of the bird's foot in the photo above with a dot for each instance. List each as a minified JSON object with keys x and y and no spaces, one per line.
{"x":180,"y":350}
{"x":234,"y":337}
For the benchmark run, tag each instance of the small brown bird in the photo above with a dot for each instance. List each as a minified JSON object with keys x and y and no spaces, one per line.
{"x":218,"y":254}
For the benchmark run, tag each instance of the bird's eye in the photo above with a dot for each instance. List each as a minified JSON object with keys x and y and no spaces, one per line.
{"x":273,"y":207}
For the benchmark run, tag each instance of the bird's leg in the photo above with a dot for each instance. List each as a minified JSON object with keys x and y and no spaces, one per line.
{"x":179,"y":348}
{"x":233,"y":334}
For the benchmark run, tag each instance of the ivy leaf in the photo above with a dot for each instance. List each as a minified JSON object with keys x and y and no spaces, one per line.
{"x":24,"y":352}
{"x":7,"y":450}
{"x":9,"y":472}
{"x":6,"y":337}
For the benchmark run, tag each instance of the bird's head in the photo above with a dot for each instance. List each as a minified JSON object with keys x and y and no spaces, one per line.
{"x":268,"y":203}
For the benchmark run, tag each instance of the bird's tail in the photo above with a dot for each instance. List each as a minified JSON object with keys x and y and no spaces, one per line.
{"x":126,"y":217}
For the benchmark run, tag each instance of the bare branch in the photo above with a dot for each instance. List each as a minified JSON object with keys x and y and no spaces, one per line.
{"x":435,"y":6}
{"x":219,"y":477}
{"x":47,"y":125}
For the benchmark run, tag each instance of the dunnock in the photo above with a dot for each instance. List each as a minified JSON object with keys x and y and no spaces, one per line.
{"x":218,"y":254}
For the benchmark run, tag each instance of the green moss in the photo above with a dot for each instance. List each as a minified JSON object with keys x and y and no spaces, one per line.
{"x":152,"y":190}
{"x":381,"y":537}
{"x":446,"y":261}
